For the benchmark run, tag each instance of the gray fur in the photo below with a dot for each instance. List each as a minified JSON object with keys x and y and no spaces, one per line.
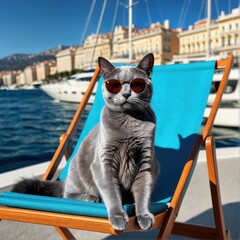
{"x":38,"y":187}
{"x":115,"y":162}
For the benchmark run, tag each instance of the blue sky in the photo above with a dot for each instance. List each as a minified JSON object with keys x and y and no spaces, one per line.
{"x":28,"y":26}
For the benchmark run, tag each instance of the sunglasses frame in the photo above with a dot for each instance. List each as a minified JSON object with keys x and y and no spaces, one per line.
{"x":129,"y":82}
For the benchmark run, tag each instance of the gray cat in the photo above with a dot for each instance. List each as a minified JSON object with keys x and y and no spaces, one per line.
{"x":115,"y":163}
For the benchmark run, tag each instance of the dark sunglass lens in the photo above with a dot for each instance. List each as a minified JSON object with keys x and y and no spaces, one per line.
{"x":138,"y":85}
{"x":113,"y":86}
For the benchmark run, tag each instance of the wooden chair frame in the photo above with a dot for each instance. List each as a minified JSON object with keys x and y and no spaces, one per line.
{"x":165,"y":221}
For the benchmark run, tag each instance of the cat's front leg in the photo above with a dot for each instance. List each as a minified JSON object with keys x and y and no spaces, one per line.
{"x":142,"y":188}
{"x":110,"y":193}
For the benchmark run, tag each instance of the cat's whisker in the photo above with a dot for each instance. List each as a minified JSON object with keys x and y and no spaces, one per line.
{"x":140,"y":106}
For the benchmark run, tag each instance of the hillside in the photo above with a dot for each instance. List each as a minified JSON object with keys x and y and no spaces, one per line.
{"x":20,"y":61}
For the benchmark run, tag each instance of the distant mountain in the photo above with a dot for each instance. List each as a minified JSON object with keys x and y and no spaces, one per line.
{"x":20,"y":61}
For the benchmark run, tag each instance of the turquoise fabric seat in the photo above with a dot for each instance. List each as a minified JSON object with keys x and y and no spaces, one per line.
{"x":179,"y":100}
{"x":70,"y":206}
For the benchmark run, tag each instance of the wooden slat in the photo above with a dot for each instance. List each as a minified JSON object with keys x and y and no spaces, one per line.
{"x":197,"y":231}
{"x":56,"y":219}
{"x":194,"y":231}
{"x":71,"y":221}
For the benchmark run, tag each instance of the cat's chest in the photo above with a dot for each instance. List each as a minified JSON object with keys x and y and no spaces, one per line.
{"x":130,"y":128}
{"x":127,"y":159}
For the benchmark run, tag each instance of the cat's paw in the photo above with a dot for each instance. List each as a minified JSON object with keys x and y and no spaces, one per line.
{"x":145,"y":221}
{"x":119,"y":221}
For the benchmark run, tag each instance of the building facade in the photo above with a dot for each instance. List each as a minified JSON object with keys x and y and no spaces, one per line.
{"x":66,"y":59}
{"x":223,"y":37}
{"x":1,"y":78}
{"x":158,"y":39}
{"x":95,"y":46}
{"x":21,"y":80}
{"x":229,"y":33}
{"x":43,"y":69}
{"x":30,"y":74}
{"x":79,"y":58}
{"x":9,"y":78}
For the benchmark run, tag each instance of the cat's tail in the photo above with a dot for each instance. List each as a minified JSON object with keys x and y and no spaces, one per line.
{"x":38,"y":187}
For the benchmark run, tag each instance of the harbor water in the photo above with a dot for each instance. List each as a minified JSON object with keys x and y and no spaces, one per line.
{"x":31,"y":124}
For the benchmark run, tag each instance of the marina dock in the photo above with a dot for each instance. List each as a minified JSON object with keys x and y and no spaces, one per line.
{"x":196,"y":206}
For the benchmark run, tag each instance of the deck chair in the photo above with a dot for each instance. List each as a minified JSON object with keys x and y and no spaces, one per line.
{"x":180,"y":97}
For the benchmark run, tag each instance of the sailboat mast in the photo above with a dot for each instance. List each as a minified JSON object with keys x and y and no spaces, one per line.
{"x":98,"y":31}
{"x":130,"y":30}
{"x":209,"y":29}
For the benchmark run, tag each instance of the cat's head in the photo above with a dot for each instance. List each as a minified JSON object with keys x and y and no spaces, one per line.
{"x":126,"y":88}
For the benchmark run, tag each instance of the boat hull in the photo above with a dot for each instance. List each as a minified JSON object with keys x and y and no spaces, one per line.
{"x":68,"y":93}
{"x":226,"y":117}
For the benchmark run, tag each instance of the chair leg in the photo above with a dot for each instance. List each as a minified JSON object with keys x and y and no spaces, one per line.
{"x":167,"y":226}
{"x":65,"y":233}
{"x":215,"y":189}
{"x":196,"y":231}
{"x":188,"y":230}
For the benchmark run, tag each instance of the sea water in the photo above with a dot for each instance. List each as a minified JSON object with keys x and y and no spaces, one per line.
{"x":31,"y":124}
{"x":30,"y":127}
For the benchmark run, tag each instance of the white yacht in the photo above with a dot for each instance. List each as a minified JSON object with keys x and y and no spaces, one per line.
{"x":72,"y":89}
{"x":228,"y":114}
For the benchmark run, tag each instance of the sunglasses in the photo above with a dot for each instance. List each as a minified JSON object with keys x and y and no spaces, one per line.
{"x":137,"y":85}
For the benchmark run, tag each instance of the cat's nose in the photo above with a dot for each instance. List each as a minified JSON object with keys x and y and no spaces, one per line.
{"x":126,"y":95}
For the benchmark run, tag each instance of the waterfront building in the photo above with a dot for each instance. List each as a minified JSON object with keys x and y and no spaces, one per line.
{"x":66,"y":59}
{"x":120,"y":42}
{"x":95,"y":46}
{"x":79,"y":58}
{"x":158,"y":38}
{"x":30,"y":74}
{"x":229,"y":33}
{"x":43,"y":69}
{"x":53,"y":68}
{"x":9,"y":78}
{"x":20,"y":79}
{"x":224,"y":37}
{"x":1,"y":79}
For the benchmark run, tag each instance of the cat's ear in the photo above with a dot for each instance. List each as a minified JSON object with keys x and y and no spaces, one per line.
{"x":105,"y":66}
{"x":146,"y":64}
